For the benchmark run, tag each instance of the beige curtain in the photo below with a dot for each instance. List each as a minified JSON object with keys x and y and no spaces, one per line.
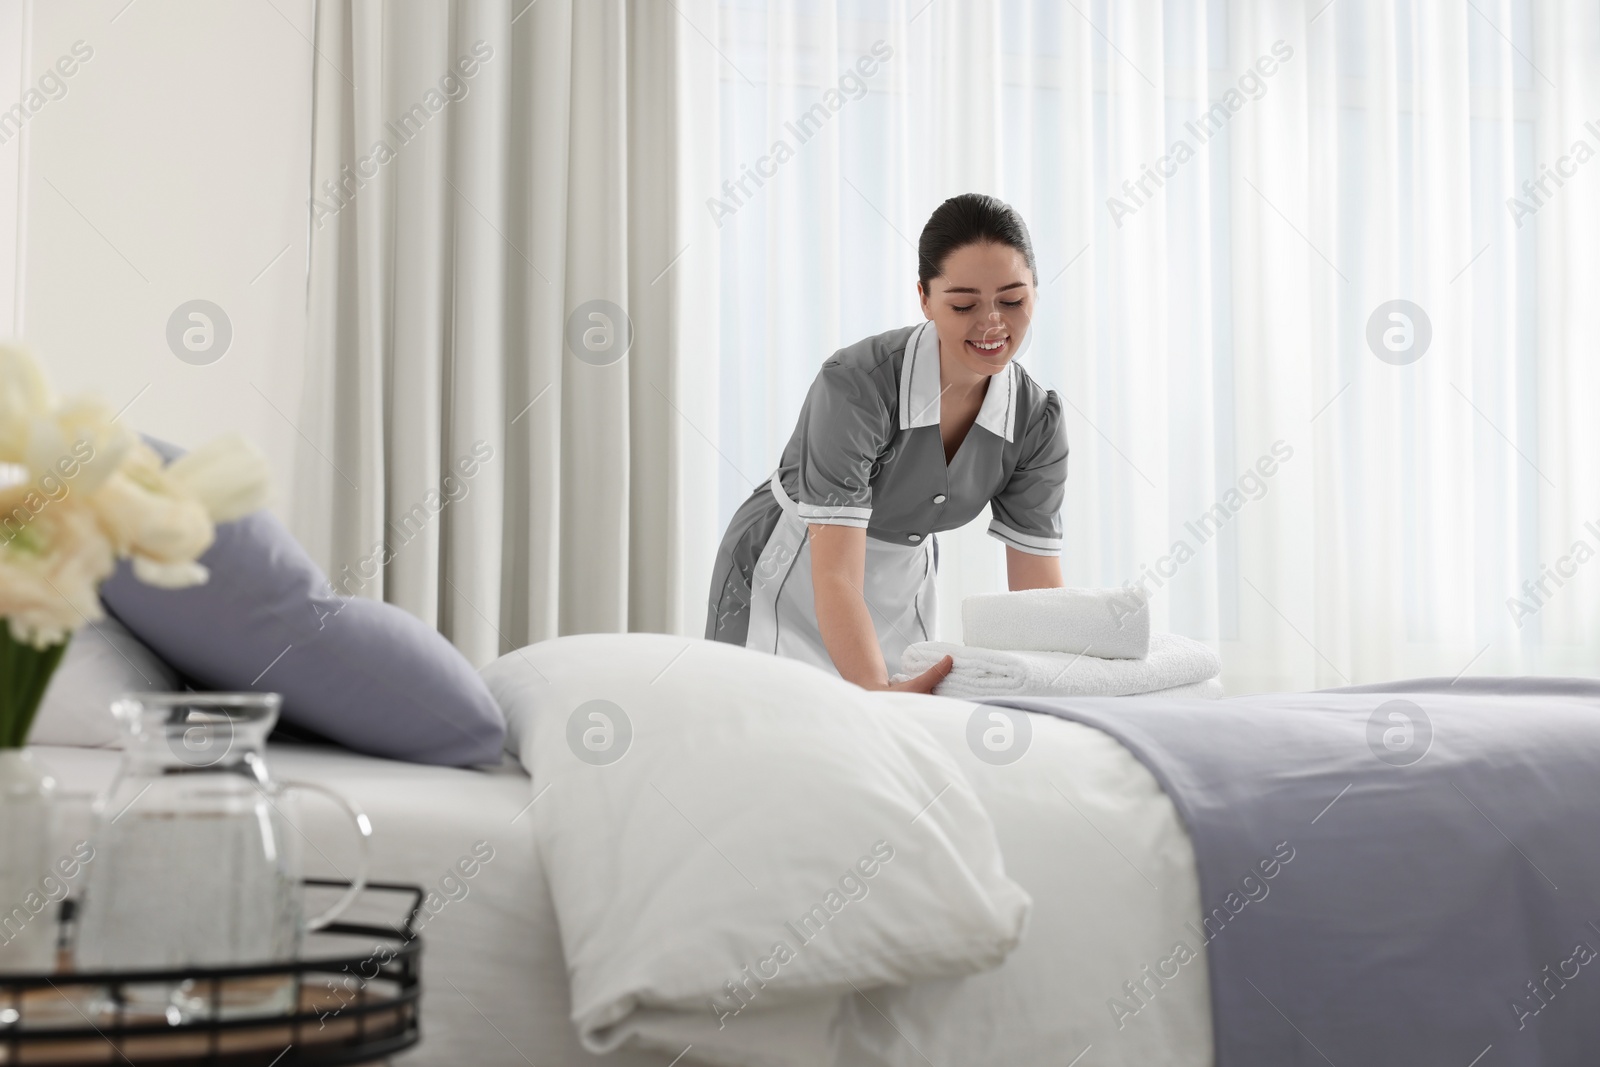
{"x":489,"y":427}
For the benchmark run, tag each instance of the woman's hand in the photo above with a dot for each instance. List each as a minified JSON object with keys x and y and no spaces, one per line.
{"x":924,"y":682}
{"x":838,"y":566}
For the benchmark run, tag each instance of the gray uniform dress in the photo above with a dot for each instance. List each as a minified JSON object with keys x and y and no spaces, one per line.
{"x":867,"y":452}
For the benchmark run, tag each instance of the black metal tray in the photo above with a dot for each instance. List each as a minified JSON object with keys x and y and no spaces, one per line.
{"x":352,"y":997}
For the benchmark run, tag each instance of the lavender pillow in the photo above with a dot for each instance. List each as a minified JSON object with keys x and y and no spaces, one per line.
{"x":368,"y":675}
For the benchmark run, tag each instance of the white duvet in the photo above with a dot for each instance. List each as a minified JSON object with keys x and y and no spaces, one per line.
{"x":737,"y":843}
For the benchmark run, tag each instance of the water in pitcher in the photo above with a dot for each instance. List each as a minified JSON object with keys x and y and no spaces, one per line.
{"x":204,"y":888}
{"x":195,"y":864}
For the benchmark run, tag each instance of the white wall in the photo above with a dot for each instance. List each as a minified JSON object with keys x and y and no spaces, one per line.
{"x":174,"y":167}
{"x":13,"y":64}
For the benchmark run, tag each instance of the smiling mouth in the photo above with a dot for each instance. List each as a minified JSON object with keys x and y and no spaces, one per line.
{"x":989,"y":348}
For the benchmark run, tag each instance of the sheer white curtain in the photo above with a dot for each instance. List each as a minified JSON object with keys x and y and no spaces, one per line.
{"x":1225,"y":198}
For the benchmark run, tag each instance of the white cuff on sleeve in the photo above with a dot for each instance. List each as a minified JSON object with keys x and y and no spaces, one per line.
{"x":1032,"y":544}
{"x":834,"y":515}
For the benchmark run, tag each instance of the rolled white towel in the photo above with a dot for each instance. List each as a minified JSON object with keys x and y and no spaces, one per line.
{"x":1174,"y":662}
{"x":1107,"y":623}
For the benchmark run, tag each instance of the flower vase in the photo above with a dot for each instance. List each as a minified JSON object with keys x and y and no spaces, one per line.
{"x":28,"y":910}
{"x":27,"y":913}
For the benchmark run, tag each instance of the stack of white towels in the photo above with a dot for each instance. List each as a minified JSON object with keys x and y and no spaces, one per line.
{"x":1065,"y":642}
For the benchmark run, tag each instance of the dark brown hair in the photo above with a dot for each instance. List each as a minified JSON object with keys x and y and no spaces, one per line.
{"x":967,"y":219}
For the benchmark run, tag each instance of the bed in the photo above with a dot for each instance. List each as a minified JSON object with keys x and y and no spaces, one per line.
{"x":1412,"y":903}
{"x":1090,"y":836}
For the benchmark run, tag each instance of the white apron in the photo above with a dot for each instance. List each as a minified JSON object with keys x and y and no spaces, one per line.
{"x":899,"y":591}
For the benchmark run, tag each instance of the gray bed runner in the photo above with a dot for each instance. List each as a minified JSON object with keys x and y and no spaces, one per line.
{"x":1442,"y":900}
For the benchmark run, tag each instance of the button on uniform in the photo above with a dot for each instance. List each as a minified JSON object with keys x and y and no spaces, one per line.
{"x":939,"y":499}
{"x":913,"y":537}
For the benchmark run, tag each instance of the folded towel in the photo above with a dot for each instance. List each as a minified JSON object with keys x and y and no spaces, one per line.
{"x":1210,"y":689}
{"x":985,"y":672}
{"x":1108,"y":623}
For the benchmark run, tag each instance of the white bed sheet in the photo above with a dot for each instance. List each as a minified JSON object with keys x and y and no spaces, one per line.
{"x":1083,"y":826}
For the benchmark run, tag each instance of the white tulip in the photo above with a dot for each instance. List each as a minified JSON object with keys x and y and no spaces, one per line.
{"x":77,"y":491}
{"x":24,"y":395}
{"x":51,"y":565}
{"x":228,"y":475}
{"x":147,"y":512}
{"x":78,"y":445}
{"x":169,"y":575}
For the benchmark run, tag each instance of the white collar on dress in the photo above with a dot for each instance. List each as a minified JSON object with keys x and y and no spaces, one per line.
{"x":919,"y":387}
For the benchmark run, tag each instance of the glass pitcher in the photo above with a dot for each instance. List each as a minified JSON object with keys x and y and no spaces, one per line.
{"x":196,"y":852}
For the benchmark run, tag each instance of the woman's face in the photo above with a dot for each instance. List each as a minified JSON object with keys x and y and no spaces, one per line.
{"x":981,"y":305}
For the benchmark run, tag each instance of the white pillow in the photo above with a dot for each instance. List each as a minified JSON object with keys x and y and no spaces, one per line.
{"x":102,"y":661}
{"x":724,"y":802}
